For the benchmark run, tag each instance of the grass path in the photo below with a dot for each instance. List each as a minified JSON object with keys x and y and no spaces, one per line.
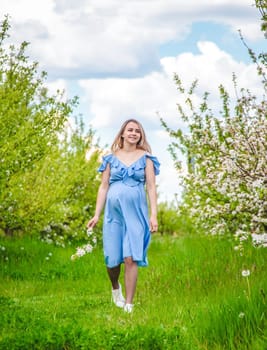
{"x":192,"y":296}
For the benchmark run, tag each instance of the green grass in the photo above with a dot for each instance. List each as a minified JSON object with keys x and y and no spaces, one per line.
{"x":191,"y":297}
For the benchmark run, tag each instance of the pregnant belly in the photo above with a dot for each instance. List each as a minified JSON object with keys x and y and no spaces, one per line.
{"x":118,"y":191}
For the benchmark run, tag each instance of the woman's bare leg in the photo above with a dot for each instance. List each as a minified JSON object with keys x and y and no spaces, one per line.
{"x":114,"y":274}
{"x":130,"y":277}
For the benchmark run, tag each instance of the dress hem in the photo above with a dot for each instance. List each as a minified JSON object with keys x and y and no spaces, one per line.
{"x":139,"y":263}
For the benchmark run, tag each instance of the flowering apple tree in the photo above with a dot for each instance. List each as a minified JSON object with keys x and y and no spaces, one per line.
{"x":225,"y":187}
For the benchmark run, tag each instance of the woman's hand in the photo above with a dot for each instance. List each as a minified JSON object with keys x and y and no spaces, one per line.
{"x":93,"y":222}
{"x":153,"y":224}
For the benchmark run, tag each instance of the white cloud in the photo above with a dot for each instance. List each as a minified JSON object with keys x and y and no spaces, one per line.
{"x":85,"y":38}
{"x":57,"y":85}
{"x":27,"y":9}
{"x":111,"y":100}
{"x":110,"y":39}
{"x":212,"y":67}
{"x":114,"y":98}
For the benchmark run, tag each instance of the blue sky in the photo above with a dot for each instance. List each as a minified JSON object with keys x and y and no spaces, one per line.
{"x":207,"y":31}
{"x":119,"y":57}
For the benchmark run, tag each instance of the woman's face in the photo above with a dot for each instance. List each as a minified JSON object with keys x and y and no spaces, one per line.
{"x":132,"y":133}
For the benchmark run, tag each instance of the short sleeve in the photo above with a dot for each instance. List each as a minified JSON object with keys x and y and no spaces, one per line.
{"x":156,"y":163}
{"x":105,"y":161}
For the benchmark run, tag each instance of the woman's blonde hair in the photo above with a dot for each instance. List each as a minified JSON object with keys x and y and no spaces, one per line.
{"x":142,"y":143}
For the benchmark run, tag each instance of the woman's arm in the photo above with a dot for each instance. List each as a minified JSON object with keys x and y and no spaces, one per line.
{"x":152,"y":194}
{"x":101,"y":197}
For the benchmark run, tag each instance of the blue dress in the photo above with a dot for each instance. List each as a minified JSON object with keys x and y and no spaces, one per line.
{"x":126,"y":224}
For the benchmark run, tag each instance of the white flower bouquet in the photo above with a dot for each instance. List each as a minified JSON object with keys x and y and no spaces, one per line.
{"x":86,"y":248}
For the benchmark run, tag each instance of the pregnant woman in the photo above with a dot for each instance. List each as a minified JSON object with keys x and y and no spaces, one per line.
{"x":127,"y":174}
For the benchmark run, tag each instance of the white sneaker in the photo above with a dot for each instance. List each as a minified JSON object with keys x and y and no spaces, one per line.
{"x":128,"y":308}
{"x":117,"y":297}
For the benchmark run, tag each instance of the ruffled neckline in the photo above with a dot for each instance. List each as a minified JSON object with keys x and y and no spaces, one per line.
{"x":132,"y":164}
{"x":140,"y":163}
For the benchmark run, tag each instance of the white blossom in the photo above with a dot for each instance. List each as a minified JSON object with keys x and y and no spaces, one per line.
{"x":80,"y":252}
{"x":86,"y":248}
